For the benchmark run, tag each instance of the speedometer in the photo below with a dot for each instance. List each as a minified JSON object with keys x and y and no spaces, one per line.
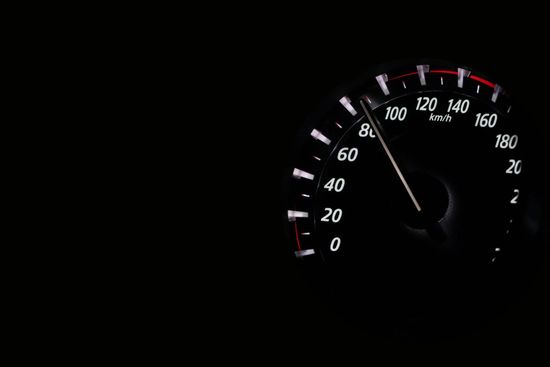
{"x":411,"y":195}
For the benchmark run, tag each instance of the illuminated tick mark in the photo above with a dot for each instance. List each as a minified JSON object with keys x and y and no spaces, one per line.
{"x":461,"y":74}
{"x":422,"y":69}
{"x":306,"y":195}
{"x":304,"y":253}
{"x":382,"y":79}
{"x":305,"y":233}
{"x":509,"y":109}
{"x":441,"y":80}
{"x":293,"y":214}
{"x":339,"y":126}
{"x":496,"y":93}
{"x":298,"y":173}
{"x":316,"y":158}
{"x":497,"y":249}
{"x":317,"y":135}
{"x":404,"y":85}
{"x":477,"y":90}
{"x":346,"y":102}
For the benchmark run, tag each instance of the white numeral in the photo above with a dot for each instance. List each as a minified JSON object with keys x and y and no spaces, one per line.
{"x":426,"y":104}
{"x":515,"y":167}
{"x":336,"y":184}
{"x":486,"y":120}
{"x":347,"y":154}
{"x":335,"y":244}
{"x":331,"y":215}
{"x":505,"y":141}
{"x":396,"y":113}
{"x":461,"y":105}
{"x":366,"y":130}
{"x":515,"y":198}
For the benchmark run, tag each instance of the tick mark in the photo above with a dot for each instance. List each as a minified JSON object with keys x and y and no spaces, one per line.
{"x":422,"y":69}
{"x":304,"y":253}
{"x":346,"y":102}
{"x":382,"y":79}
{"x":298,"y":173}
{"x":461,"y":74}
{"x":317,"y":135}
{"x":496,"y":93}
{"x":293,"y":214}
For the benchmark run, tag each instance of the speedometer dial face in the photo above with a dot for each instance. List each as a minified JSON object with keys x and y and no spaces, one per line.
{"x":409,"y":193}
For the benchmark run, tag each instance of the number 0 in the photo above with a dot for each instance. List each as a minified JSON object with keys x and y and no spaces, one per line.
{"x":335,"y":244}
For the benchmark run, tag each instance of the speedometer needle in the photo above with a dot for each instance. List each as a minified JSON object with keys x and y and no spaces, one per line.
{"x":375,"y":125}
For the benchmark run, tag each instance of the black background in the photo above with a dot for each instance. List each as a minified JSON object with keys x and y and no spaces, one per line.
{"x":279,"y":71}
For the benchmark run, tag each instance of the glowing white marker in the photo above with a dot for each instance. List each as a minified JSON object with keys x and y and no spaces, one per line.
{"x":304,"y":253}
{"x":496,"y":92}
{"x":422,"y":69}
{"x":441,"y":80}
{"x":509,"y":109}
{"x":339,"y":126}
{"x":305,"y":195}
{"x":477,"y":90}
{"x":404,"y":85}
{"x":305,"y":233}
{"x":317,"y":135}
{"x":382,"y":79}
{"x":298,"y":173}
{"x":293,"y":214}
{"x":346,"y":102}
{"x":461,"y":74}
